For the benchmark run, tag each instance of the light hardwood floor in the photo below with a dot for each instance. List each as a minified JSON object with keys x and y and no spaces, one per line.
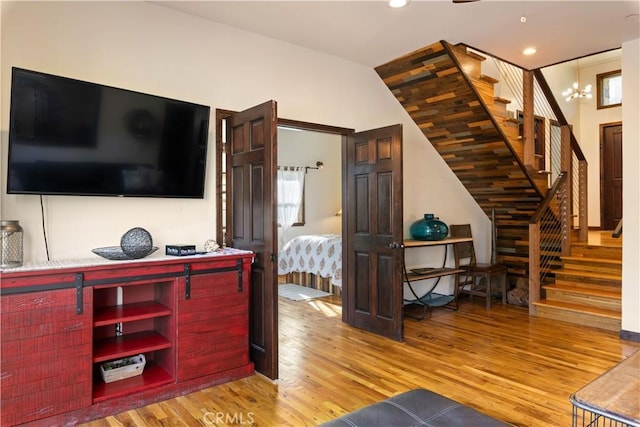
{"x":501,"y":361}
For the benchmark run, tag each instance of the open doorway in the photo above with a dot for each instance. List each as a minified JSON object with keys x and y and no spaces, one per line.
{"x":246,"y":156}
{"x":309,"y":249}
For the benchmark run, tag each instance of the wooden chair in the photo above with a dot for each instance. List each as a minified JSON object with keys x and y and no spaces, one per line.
{"x":479,"y":279}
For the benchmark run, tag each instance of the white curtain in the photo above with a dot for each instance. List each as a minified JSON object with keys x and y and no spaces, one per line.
{"x":290,"y":191}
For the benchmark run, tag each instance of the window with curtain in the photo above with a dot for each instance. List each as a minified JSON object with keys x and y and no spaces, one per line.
{"x":290,"y":181}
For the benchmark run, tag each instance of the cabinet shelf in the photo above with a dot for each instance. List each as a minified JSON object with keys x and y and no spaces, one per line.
{"x":129,"y":312}
{"x":127,"y":345}
{"x":153,"y":376}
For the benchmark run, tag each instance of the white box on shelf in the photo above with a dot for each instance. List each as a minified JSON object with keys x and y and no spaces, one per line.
{"x":122,"y":368}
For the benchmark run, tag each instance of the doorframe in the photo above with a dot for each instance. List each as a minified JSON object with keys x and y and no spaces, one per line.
{"x":600,"y":153}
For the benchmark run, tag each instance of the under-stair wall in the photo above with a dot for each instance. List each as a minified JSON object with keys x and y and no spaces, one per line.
{"x":463,"y":120}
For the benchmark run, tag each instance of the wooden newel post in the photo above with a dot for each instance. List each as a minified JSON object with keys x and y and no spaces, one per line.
{"x":583,"y":217}
{"x":566,"y":211}
{"x":528,"y":132}
{"x":534,"y":266}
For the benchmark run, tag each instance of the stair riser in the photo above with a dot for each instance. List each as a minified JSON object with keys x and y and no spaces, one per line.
{"x":583,"y":319}
{"x":584,"y":277}
{"x":593,"y":267}
{"x":590,"y":300}
{"x":597,"y":252}
{"x":588,"y":285}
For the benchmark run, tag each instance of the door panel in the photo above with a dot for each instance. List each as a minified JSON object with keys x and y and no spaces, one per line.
{"x":386,"y":293}
{"x":373,"y":224}
{"x":611,"y":173}
{"x":251,"y":220}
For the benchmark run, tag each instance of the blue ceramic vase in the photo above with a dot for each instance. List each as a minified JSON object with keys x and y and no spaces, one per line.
{"x":429,"y":228}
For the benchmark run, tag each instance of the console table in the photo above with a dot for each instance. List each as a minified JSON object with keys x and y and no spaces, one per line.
{"x":189,"y":317}
{"x":612,"y":399}
{"x":430,"y":299}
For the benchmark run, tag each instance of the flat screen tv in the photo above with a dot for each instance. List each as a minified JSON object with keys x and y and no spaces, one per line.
{"x":71,"y":137}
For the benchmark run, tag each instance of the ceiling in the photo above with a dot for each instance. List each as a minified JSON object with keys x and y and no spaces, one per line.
{"x":371,"y":33}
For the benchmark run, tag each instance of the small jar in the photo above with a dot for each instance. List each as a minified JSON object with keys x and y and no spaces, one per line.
{"x":10,"y":244}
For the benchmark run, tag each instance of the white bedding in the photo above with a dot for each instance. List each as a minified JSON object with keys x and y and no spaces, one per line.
{"x":319,"y":254}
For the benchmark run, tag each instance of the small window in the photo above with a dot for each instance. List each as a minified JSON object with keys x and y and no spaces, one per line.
{"x":609,"y":89}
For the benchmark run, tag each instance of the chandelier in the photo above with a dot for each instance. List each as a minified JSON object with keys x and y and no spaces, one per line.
{"x":574,"y":91}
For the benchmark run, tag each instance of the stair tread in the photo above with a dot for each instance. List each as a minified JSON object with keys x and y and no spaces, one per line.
{"x":604,"y":292}
{"x":475,"y":55}
{"x":502,"y":100}
{"x":580,"y":308}
{"x":488,"y":79}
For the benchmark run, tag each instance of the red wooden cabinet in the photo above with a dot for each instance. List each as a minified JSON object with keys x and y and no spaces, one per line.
{"x":213,"y":324}
{"x":188,"y":316}
{"x":46,"y":354}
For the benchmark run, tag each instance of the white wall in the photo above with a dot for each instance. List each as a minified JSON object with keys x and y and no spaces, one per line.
{"x":148,"y":48}
{"x":560,"y":77}
{"x":589,"y":132}
{"x":631,"y":186}
{"x":323,"y":187}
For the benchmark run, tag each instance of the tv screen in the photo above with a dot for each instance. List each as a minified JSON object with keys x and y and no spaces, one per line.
{"x":73,"y":137}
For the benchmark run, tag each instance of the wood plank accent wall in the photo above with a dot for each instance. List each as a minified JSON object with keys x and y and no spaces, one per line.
{"x":444,"y":92}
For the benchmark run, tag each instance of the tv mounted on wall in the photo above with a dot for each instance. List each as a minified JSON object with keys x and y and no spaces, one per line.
{"x":71,"y":137}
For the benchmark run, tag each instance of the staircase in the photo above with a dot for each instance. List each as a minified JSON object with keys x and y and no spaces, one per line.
{"x":444,"y":91}
{"x":587,"y":289}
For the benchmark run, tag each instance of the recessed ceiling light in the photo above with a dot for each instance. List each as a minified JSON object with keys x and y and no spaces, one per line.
{"x":398,"y":3}
{"x":529,"y":51}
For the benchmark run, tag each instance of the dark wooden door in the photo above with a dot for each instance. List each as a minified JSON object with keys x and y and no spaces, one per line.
{"x":251,"y":221}
{"x":373,"y":231}
{"x":611,"y":176}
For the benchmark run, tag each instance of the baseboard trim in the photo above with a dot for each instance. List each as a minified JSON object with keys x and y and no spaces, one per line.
{"x":630,"y":336}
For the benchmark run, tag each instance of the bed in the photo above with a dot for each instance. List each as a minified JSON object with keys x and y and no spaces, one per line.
{"x":314,"y":261}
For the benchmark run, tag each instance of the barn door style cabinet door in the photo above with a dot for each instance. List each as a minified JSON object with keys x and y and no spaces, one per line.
{"x":188,"y":317}
{"x":213,"y":320}
{"x":46,"y":352}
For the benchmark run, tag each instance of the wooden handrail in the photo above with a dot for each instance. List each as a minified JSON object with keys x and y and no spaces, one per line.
{"x":544,"y":204}
{"x":548,"y":237}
